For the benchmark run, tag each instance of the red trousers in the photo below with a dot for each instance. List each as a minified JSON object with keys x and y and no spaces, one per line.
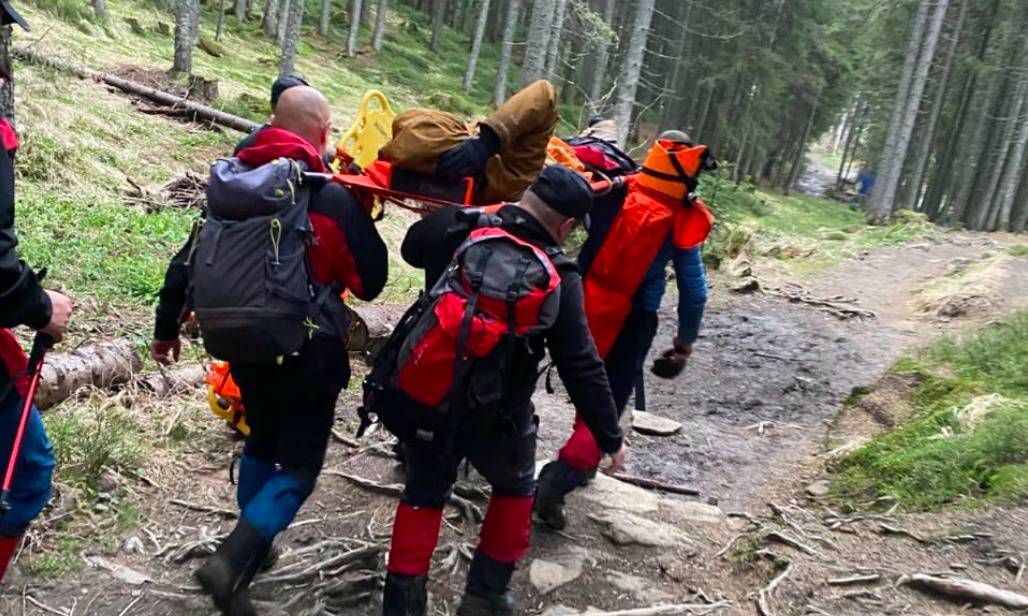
{"x":504,"y":453}
{"x":622,"y":364}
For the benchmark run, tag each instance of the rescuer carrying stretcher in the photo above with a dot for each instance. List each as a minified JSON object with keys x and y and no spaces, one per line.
{"x":634,"y":233}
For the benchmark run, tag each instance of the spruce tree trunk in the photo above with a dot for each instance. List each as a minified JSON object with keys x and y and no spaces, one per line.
{"x":797,"y":163}
{"x":906,"y":128}
{"x":980,"y":217}
{"x":366,"y":13}
{"x":438,"y":18}
{"x":633,"y":69}
{"x":355,"y":27}
{"x":510,"y":26}
{"x":183,"y":62}
{"x":476,"y":45}
{"x":292,"y":38}
{"x":241,"y":10}
{"x":221,"y":19}
{"x":847,"y":149}
{"x":269,"y":21}
{"x":879,"y":208}
{"x":380,"y":25}
{"x":7,"y":89}
{"x":1020,"y":221}
{"x":912,"y":195}
{"x":669,"y":118}
{"x":602,"y":58}
{"x":553,"y":54}
{"x":100,"y":9}
{"x":968,"y":139}
{"x":534,"y":65}
{"x":1015,"y":166}
{"x":283,"y":20}
{"x":324,"y":24}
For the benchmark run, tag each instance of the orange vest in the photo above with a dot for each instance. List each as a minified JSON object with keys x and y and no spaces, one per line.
{"x":639,"y":230}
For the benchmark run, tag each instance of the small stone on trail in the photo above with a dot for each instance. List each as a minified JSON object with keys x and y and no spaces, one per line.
{"x":746,"y":285}
{"x":560,"y":610}
{"x":547,"y":576}
{"x":108,"y":483}
{"x":133,"y":545}
{"x":654,"y":425}
{"x":640,"y":588}
{"x":627,"y":529}
{"x":820,"y":488}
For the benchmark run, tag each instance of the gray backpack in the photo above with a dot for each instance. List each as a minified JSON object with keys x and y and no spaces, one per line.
{"x":251,"y":289}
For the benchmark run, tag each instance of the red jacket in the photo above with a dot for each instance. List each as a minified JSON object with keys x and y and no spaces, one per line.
{"x":639,"y":230}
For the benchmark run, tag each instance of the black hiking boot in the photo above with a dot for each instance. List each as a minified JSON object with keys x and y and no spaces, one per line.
{"x":227,"y":574}
{"x":556,"y":480}
{"x":271,"y":560}
{"x":404,"y":595}
{"x":488,"y":590}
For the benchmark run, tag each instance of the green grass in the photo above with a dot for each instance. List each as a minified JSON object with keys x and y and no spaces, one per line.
{"x":1018,"y":250}
{"x":63,"y":560}
{"x":806,"y":232}
{"x":91,"y":438}
{"x":939,"y":458}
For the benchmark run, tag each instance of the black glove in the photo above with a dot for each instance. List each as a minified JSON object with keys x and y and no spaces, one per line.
{"x":671,"y":362}
{"x":470,"y":157}
{"x":668,"y":365}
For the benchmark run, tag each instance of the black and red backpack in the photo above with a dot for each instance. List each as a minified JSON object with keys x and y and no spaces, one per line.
{"x":454,"y":350}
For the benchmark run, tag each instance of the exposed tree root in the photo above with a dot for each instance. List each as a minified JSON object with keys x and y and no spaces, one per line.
{"x":966,"y":590}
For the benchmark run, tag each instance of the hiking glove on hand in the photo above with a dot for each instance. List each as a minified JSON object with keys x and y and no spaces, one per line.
{"x":668,"y":365}
{"x":469,"y":158}
{"x":671,"y":362}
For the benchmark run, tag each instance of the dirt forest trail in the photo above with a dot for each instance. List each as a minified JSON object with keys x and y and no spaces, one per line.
{"x":756,"y":401}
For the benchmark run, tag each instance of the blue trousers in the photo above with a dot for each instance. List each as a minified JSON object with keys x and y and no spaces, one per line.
{"x":30,"y":490}
{"x":290,"y":408}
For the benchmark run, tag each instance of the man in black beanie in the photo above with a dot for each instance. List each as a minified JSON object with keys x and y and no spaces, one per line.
{"x":279,"y":86}
{"x":500,"y":445}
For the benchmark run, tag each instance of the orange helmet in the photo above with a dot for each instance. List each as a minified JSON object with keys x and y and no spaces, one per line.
{"x":673,"y":165}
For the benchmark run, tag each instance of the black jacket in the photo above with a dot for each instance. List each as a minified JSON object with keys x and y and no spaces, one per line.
{"x":22,"y":300}
{"x":430,"y":244}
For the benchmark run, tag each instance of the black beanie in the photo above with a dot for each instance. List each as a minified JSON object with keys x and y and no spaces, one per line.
{"x":564,"y":190}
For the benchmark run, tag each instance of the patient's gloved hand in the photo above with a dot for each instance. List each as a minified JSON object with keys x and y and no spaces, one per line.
{"x":470,"y":157}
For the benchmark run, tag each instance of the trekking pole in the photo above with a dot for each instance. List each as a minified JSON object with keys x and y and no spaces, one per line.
{"x":40,"y":345}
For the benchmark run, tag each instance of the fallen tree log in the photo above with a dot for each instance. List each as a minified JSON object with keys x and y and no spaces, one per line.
{"x":371,"y":326}
{"x":101,"y":365}
{"x":196,"y":111}
{"x":165,"y":383}
{"x":966,"y":590}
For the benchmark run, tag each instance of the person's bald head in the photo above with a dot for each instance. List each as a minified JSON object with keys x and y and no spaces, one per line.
{"x":304,"y":111}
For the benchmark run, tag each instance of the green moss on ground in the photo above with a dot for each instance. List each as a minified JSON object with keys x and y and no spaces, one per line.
{"x":945,"y":456}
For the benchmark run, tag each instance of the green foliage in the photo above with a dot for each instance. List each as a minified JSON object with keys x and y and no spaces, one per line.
{"x":64,"y":560}
{"x":96,"y":247}
{"x":91,"y":438}
{"x":1018,"y":250}
{"x":71,"y":11}
{"x":940,"y":458}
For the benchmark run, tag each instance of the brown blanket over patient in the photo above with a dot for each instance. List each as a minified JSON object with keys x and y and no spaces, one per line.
{"x":524,"y":125}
